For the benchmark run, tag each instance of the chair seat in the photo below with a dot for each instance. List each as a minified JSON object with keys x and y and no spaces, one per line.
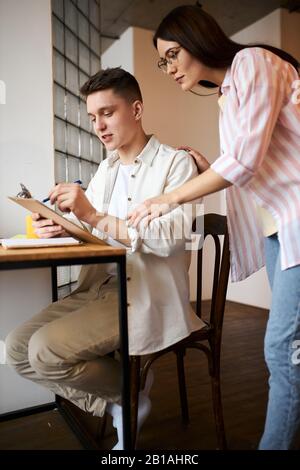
{"x":198,"y":335}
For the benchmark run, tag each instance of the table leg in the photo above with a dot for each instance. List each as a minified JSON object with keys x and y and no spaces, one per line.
{"x":124,"y":352}
{"x":54,"y":283}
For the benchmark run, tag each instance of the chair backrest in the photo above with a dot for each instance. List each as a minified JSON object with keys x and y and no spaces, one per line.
{"x":214,"y":225}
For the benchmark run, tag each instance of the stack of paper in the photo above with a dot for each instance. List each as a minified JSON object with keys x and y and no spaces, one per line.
{"x":37,"y":242}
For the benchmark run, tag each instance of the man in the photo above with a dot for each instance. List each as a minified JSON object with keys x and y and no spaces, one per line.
{"x":65,"y":346}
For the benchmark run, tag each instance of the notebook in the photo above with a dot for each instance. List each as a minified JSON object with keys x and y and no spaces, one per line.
{"x":9,"y":243}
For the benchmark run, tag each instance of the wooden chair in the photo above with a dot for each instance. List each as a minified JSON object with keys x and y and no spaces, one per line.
{"x":207,"y":340}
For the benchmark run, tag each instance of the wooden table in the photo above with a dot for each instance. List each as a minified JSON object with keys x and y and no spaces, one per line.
{"x":76,"y":255}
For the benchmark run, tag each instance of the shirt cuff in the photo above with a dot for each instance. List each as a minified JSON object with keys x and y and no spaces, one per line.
{"x":134,"y":236}
{"x":232,"y":170}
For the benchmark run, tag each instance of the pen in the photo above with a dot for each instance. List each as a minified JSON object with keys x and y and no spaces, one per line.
{"x":48,"y":198}
{"x":82,"y":225}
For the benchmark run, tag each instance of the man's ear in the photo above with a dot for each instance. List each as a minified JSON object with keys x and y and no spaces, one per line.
{"x":138,"y":109}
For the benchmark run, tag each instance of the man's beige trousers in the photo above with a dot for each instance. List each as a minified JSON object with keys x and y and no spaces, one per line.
{"x":64,"y":347}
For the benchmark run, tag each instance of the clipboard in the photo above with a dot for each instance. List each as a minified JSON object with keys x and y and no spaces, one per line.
{"x":77,"y":232}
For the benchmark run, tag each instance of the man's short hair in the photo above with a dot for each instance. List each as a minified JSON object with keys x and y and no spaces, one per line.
{"x":120,"y":81}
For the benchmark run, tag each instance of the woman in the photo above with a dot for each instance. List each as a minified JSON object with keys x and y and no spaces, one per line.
{"x":260,"y":167}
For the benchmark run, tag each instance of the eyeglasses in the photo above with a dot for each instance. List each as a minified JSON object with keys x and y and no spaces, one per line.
{"x":171,"y":57}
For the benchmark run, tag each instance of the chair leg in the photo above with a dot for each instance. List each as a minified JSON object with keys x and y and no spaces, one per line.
{"x":182,"y":387}
{"x":135,"y":363}
{"x":101,"y":428}
{"x":217,"y":405}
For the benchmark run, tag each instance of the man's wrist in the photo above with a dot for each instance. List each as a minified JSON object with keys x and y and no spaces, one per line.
{"x":94,"y":218}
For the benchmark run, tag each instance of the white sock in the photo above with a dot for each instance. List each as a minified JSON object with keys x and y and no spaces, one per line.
{"x":144,"y":409}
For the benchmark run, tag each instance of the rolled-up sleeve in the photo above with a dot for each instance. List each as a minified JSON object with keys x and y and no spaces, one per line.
{"x":256,"y":96}
{"x":168,"y":234}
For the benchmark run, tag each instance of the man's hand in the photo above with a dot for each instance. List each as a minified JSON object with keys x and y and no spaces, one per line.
{"x":46,"y":228}
{"x":71,"y":198}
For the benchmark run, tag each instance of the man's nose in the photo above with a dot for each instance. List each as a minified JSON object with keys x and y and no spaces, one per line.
{"x":100,"y":124}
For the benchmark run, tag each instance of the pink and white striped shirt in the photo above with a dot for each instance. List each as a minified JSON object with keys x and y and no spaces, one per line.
{"x":260,"y":155}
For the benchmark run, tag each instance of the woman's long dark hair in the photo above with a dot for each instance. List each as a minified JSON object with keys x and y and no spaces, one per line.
{"x":199,"y":33}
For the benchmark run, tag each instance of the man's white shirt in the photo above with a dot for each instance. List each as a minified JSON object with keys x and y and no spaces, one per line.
{"x":159,"y":311}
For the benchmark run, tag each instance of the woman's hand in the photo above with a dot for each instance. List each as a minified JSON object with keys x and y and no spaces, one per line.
{"x":150,"y":209}
{"x":200,"y":160}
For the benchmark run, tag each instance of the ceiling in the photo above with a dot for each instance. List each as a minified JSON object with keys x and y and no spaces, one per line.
{"x":232,"y":15}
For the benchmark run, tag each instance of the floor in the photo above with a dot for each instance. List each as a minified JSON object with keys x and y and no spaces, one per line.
{"x":244,"y":385}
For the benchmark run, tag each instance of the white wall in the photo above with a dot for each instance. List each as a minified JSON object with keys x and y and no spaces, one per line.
{"x":176,"y":118}
{"x":120,"y":53}
{"x":290,"y":32}
{"x":267,"y":30}
{"x":26,"y":155}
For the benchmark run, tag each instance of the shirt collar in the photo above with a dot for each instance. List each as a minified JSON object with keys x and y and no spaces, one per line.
{"x":146,"y":156}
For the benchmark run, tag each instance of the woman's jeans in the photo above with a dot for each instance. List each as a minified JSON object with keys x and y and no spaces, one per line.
{"x":282,"y":352}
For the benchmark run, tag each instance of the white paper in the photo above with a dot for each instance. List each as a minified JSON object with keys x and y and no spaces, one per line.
{"x":38,"y":242}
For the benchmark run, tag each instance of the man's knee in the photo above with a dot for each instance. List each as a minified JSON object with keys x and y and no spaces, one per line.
{"x":16,"y":349}
{"x":43,"y":354}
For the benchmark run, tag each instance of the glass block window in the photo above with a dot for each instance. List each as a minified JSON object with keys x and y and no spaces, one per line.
{"x":76,"y":56}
